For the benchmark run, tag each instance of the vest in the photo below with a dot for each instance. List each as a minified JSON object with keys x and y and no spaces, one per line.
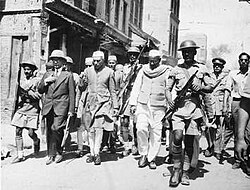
{"x":153,"y":90}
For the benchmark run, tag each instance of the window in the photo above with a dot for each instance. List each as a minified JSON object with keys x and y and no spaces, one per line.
{"x":107,"y":10}
{"x":117,"y":8}
{"x":136,"y":15}
{"x":124,"y":16}
{"x":131,"y":12}
{"x":92,"y":7}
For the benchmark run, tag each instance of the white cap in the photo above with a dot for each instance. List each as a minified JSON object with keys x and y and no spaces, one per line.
{"x":98,"y":54}
{"x":88,"y":60}
{"x":154,"y":53}
{"x":112,"y":58}
{"x":69,"y":60}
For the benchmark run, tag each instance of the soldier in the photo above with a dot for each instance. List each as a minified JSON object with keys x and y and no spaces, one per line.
{"x":187,"y":114}
{"x":27,"y":114}
{"x":130,"y":71}
{"x":99,"y":80}
{"x":235,"y":83}
{"x":219,"y":105}
{"x":148,"y":102}
{"x":59,"y":104}
{"x":82,"y":134}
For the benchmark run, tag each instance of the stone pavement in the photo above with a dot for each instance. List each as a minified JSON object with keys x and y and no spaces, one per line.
{"x":115,"y":172}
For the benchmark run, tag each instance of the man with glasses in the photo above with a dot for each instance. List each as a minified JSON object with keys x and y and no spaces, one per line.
{"x":58,"y":104}
{"x":235,"y":83}
{"x":101,"y":103}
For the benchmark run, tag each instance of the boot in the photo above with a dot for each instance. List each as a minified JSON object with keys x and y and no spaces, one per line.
{"x":20,"y":154}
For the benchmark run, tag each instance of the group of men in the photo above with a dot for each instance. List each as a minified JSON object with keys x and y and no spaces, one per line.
{"x":129,"y":103}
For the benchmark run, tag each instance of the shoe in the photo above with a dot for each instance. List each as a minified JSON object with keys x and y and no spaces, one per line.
{"x":90,"y":159}
{"x":142,"y":161}
{"x":185,"y":179}
{"x":17,"y":159}
{"x":152,"y":165}
{"x":208,"y":152}
{"x":58,"y":158}
{"x":97,"y":159}
{"x":125,"y":153}
{"x":217,"y":156}
{"x":134,"y":150}
{"x":50,"y":160}
{"x":236,"y":165}
{"x":79,"y":153}
{"x":175,"y":178}
{"x":225,"y":154}
{"x":37,"y":148}
{"x":112,"y":150}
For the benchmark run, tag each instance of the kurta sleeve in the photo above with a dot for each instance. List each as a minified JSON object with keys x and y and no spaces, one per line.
{"x":112,"y":90}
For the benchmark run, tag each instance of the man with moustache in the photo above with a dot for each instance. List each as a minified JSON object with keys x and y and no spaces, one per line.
{"x":59,"y":104}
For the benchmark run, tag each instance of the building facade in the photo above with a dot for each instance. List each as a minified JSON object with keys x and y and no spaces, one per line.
{"x":161,"y":20}
{"x":32,"y":29}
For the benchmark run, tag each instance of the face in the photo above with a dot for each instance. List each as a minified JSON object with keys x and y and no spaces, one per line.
{"x":244,"y":61}
{"x":111,"y":64}
{"x":154,"y":62}
{"x":28,"y":71}
{"x":57,"y":62}
{"x":98,"y":62}
{"x":218,"y":68}
{"x":188,"y":54}
{"x":132,"y":57}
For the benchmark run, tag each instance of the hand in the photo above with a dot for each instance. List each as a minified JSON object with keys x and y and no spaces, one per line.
{"x":116,"y":111}
{"x":171,"y":105}
{"x":70,"y":114}
{"x":196,"y":87}
{"x":224,"y":111}
{"x":132,"y":109}
{"x":241,"y":149}
{"x":76,"y":108}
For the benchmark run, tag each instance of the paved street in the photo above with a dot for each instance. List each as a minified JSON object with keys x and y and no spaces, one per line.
{"x":114,"y":173}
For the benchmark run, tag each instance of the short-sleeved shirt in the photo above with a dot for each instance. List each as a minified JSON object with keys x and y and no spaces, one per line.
{"x":235,"y":83}
{"x":246,"y":90}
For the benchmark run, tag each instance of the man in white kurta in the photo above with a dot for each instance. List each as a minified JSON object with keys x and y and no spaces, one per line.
{"x":148,"y":102}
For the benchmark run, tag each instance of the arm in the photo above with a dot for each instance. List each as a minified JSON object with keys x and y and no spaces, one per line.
{"x":136,"y":89}
{"x":112,"y":90}
{"x":71,"y":87}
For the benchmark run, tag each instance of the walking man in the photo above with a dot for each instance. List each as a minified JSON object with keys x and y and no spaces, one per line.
{"x":148,"y":102}
{"x":27,"y":114}
{"x":101,"y":103}
{"x":188,"y":112}
{"x":59,"y":104}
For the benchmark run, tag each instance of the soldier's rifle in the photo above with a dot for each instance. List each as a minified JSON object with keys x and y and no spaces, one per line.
{"x":129,"y":79}
{"x":17,"y":88}
{"x":180,"y":97}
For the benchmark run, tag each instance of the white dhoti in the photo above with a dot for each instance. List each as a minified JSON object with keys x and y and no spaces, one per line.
{"x":149,"y":129}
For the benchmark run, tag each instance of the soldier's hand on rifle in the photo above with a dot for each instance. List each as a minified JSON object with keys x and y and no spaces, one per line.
{"x":70,"y":114}
{"x":132,"y":109}
{"x":171,"y":105}
{"x":196,"y":86}
{"x":116,"y":112}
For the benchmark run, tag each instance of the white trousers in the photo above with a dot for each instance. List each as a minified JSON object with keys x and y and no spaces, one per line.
{"x":149,"y":129}
{"x":95,"y":140}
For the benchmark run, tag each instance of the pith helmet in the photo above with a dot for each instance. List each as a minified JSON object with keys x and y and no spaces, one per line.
{"x":133,"y":50}
{"x":69,"y":60}
{"x":188,"y":44}
{"x":29,"y":64}
{"x":218,"y":61}
{"x":57,"y":53}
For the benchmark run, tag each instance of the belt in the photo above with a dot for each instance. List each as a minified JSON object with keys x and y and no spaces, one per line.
{"x":236,"y":99}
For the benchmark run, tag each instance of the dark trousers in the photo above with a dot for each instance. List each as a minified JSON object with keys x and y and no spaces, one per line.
{"x":55,"y":126}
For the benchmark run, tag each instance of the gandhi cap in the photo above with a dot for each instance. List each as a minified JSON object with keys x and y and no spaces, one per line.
{"x":133,"y":50}
{"x":88,"y":61}
{"x":154,"y":53}
{"x":218,"y":61}
{"x":98,"y":54}
{"x":112,"y":58}
{"x":57,"y":53}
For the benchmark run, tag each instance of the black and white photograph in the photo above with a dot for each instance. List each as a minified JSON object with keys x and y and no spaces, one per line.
{"x":125,"y":94}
